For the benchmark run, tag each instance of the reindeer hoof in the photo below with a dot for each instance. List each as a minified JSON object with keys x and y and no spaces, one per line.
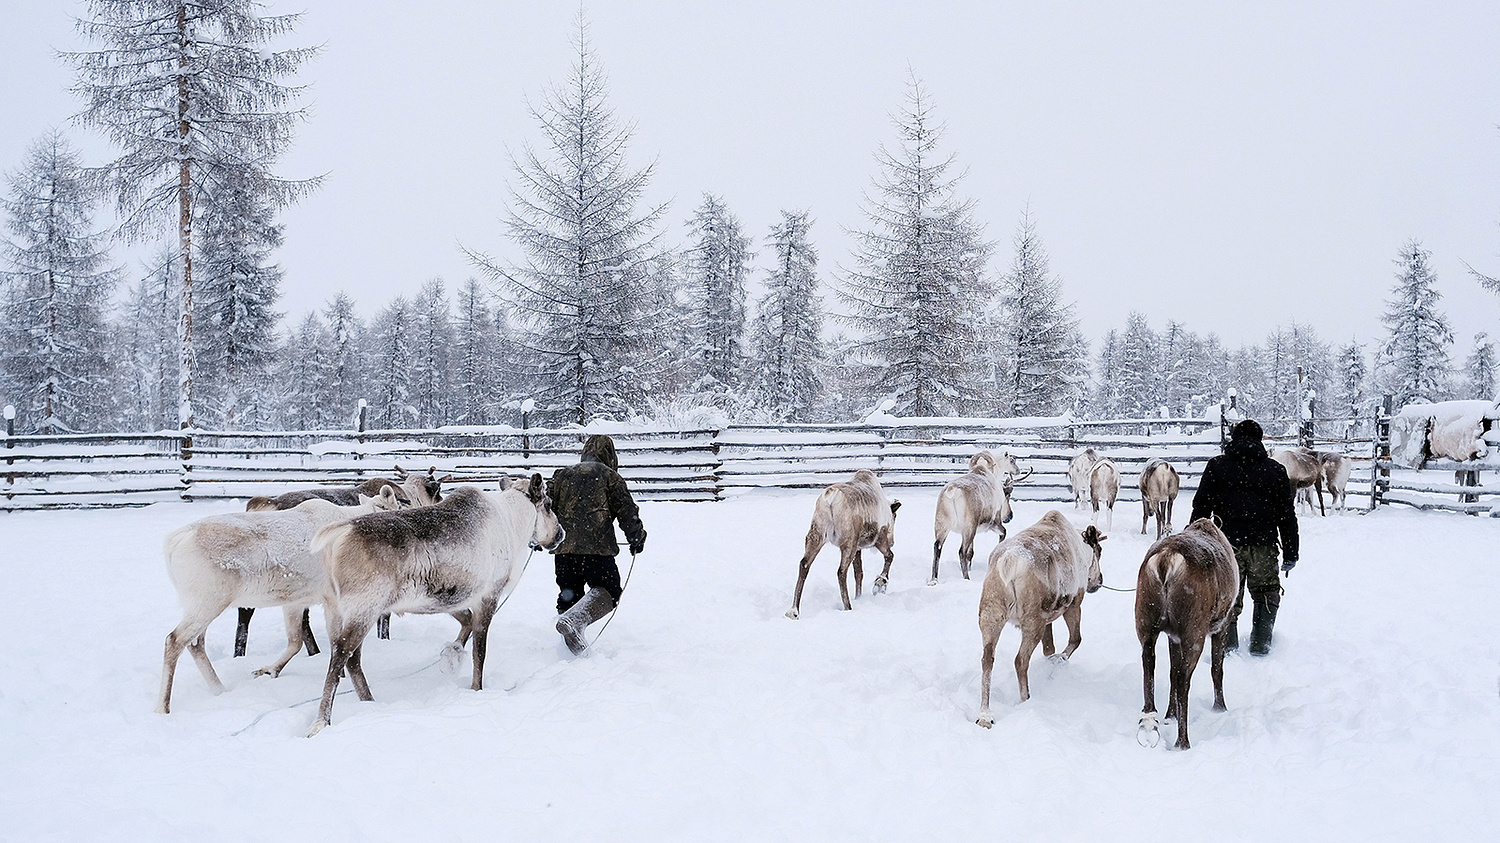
{"x":1058,"y":658}
{"x":1148,"y":733}
{"x":791,"y":613}
{"x":450,"y":657}
{"x":986,"y":721}
{"x":878,"y":587}
{"x":932,"y":581}
{"x":267,"y":671}
{"x":317,"y":727}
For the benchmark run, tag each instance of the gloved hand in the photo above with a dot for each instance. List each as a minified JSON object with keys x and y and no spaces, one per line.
{"x":637,"y":547}
{"x":1287,"y":565}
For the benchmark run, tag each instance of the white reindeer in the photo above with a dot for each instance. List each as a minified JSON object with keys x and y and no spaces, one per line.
{"x":248,"y":559}
{"x":1104,"y":490}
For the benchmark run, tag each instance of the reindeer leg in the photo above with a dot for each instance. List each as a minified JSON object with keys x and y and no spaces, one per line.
{"x":1191,"y":650}
{"x":859,"y":572}
{"x":1148,"y":733}
{"x":189,"y":629}
{"x":307,"y":633}
{"x":846,"y":559}
{"x":200,"y":655}
{"x":294,"y":633}
{"x":1174,"y":672}
{"x":990,"y":628}
{"x":242,"y":631}
{"x":813,"y":544}
{"x":1073,"y":617}
{"x":357,"y":674}
{"x":481,"y":629}
{"x":883,"y":581}
{"x":383,"y":628}
{"x":1048,"y":647}
{"x":343,"y":644}
{"x":1218,"y":644}
{"x":1030,"y":635}
{"x":937,"y":553}
{"x":966,"y":551}
{"x":1145,"y":514}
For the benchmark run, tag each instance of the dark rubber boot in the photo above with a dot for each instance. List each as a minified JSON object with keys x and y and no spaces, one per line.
{"x":572,"y":623}
{"x":1265,"y":618}
{"x":1233,"y":639}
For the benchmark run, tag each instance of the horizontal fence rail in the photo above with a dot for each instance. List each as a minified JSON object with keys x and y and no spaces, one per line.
{"x":111,"y":470}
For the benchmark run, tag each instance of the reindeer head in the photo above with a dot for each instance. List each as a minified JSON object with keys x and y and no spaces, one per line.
{"x":549,"y":532}
{"x":1094,"y":539}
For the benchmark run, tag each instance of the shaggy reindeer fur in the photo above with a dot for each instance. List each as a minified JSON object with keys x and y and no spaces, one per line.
{"x":1036,"y":576}
{"x":1159,"y":484}
{"x":1079,"y":469}
{"x":1104,"y":490}
{"x":1186,"y":588}
{"x":853,"y":516}
{"x":1304,"y":469}
{"x":979,"y":500}
{"x":249,"y":559}
{"x":462,"y":556}
{"x":1336,"y":470}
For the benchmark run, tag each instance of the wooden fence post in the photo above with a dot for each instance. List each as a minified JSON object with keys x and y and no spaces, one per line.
{"x":10,"y":442}
{"x":359,"y":455}
{"x":526,"y":407}
{"x":1380,"y":472}
{"x":185,"y":453}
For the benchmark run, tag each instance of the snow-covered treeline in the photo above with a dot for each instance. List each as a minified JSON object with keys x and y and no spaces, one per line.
{"x":582,"y":305}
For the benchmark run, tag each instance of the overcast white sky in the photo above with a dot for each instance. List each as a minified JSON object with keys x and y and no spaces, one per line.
{"x":1233,"y":166}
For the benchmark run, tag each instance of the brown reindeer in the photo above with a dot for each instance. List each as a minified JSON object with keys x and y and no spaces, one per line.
{"x":979,"y":500}
{"x":1036,"y":576}
{"x":1186,"y":588}
{"x":1159,"y":484}
{"x":1304,"y":469}
{"x":853,"y":515}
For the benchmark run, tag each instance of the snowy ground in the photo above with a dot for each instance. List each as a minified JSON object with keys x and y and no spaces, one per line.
{"x":705,"y":714}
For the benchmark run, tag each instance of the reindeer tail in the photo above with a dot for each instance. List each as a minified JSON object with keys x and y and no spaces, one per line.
{"x":327,"y":541}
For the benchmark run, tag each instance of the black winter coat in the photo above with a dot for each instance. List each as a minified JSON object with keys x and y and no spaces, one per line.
{"x":587,"y":498}
{"x":1252,"y":496}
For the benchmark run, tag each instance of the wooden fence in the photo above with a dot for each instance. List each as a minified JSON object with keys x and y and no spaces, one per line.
{"x":107,"y":470}
{"x":1392,"y":483}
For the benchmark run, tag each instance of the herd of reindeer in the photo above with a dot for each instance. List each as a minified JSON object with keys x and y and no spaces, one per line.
{"x":1186,"y":587}
{"x":386,"y":547}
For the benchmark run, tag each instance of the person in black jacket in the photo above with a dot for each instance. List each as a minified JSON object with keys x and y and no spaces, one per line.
{"x":1252,"y":497}
{"x":588,"y":498}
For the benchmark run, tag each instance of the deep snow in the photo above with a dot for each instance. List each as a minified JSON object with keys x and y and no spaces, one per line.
{"x":703,"y":713}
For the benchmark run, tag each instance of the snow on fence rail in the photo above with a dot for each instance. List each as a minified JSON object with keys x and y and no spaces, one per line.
{"x":1414,"y":441}
{"x":107,"y":470}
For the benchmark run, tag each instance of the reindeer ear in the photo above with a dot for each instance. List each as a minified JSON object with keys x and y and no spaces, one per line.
{"x":400,"y":472}
{"x":445,"y":478}
{"x":537,"y":489}
{"x":506,"y":482}
{"x":895,"y":505}
{"x":432,"y":471}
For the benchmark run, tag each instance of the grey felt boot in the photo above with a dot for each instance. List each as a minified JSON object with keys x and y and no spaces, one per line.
{"x":572,"y":623}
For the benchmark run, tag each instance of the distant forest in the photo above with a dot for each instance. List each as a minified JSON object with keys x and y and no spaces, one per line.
{"x":598,"y":316}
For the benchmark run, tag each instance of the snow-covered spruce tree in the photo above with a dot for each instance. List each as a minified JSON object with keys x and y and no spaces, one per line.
{"x":1413,"y":364}
{"x":786,"y":332}
{"x":192,"y":96}
{"x":480,"y":357}
{"x":1106,"y":401}
{"x":1479,"y":370}
{"x":58,"y":281}
{"x":238,"y":285}
{"x":1247,"y":377}
{"x":584,"y":288}
{"x":717,"y":262}
{"x":1176,"y":353}
{"x":1351,"y":392}
{"x":917,"y":293}
{"x":432,"y":361}
{"x":299,"y":372}
{"x":1040,"y":347}
{"x":145,"y":350}
{"x":346,"y":364}
{"x":1138,"y":369}
{"x":1286,"y":352}
{"x":390,"y":342}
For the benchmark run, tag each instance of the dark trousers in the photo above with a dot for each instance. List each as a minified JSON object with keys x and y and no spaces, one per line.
{"x":1259,"y":572}
{"x":576,"y":572}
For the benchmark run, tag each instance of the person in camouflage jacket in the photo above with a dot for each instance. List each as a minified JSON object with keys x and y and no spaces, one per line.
{"x":1250,"y":494}
{"x":589,"y":498}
